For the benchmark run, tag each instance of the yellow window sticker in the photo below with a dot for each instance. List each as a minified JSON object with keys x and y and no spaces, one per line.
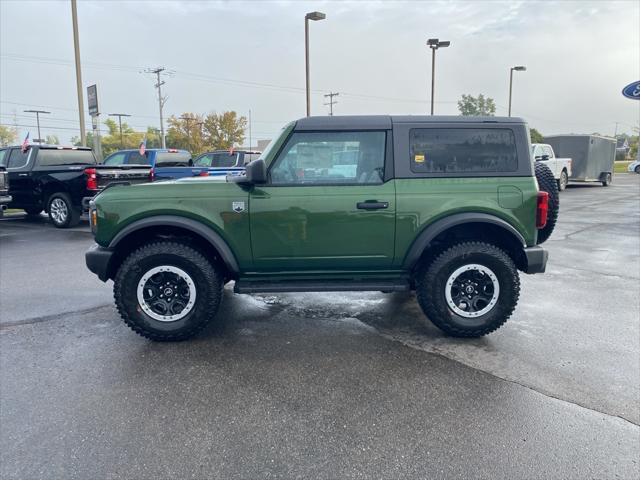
{"x":419,"y":158}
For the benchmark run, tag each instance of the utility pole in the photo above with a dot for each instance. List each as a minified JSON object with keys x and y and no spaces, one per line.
{"x":37,"y":112}
{"x":161,"y":100}
{"x":331,"y":102}
{"x":76,"y":48}
{"x":120,"y":115}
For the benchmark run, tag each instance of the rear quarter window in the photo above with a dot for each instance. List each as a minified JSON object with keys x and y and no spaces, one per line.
{"x":462,"y":150}
{"x":57,"y":157}
{"x":173,"y":159}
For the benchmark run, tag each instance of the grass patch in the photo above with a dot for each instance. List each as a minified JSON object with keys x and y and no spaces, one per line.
{"x":621,"y":167}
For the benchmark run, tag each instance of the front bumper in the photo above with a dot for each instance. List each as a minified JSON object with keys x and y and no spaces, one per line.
{"x":98,"y":260}
{"x":536,"y":259}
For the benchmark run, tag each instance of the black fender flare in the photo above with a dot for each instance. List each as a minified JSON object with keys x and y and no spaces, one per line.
{"x":425,"y":237}
{"x":194,"y":226}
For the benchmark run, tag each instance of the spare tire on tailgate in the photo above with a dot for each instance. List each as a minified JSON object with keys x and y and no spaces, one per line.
{"x":548,"y":184}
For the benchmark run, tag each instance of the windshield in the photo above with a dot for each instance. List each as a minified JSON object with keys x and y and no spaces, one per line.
{"x":271,"y":150}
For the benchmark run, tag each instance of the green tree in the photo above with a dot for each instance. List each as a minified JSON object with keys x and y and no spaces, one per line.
{"x":476,"y":106}
{"x":536,"y":136}
{"x":8,"y":135}
{"x":52,"y":140}
{"x":224,"y":130}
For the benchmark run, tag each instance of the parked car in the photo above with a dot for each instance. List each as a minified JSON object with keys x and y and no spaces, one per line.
{"x":592,"y":156}
{"x":166,"y":163}
{"x":57,"y":179}
{"x":560,"y":167}
{"x":5,"y":198}
{"x":226,"y":162}
{"x":446,"y":206}
{"x":634,"y":166}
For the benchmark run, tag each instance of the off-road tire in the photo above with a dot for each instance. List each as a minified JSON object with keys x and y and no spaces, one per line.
{"x":563,"y":181}
{"x":548,"y":184}
{"x":207,"y":278}
{"x":431,"y":283}
{"x":72,"y":217}
{"x":33,"y":211}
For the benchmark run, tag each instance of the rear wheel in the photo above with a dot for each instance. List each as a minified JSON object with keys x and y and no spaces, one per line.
{"x":563,"y":181}
{"x":167,"y":291}
{"x":547,"y":183}
{"x":637,"y":169}
{"x":62,"y":213}
{"x":607,"y":180}
{"x":469,"y":290}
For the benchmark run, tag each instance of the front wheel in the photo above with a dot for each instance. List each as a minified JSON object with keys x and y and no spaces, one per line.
{"x":469,"y":290}
{"x":637,"y":169}
{"x":167,"y":291}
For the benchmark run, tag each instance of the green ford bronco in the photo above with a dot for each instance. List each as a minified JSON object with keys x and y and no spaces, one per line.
{"x":451,"y":207}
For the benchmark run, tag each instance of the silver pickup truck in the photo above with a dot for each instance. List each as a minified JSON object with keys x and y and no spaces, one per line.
{"x":560,"y":167}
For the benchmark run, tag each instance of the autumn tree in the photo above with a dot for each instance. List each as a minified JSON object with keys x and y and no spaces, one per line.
{"x":186,"y":132}
{"x":476,"y":106}
{"x":8,"y":135}
{"x":224,"y":130}
{"x":198,"y":134}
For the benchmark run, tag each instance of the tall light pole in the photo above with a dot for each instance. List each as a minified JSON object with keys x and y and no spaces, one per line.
{"x":519,"y":68}
{"x":37,"y":112}
{"x":315,"y":16}
{"x":434,"y":44}
{"x":76,"y":48}
{"x":120,"y":115}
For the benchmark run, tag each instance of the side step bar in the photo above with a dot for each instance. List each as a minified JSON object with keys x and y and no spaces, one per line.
{"x":264,"y":286}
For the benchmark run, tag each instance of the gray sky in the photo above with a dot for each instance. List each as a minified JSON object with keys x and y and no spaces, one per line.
{"x":250,"y":55}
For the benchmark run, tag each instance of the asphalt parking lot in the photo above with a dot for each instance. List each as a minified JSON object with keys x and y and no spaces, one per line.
{"x":328,"y":385}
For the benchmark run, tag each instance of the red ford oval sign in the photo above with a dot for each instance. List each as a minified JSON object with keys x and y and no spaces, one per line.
{"x":632,"y":90}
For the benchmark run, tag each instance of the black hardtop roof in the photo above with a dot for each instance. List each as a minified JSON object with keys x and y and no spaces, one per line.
{"x":371,"y":122}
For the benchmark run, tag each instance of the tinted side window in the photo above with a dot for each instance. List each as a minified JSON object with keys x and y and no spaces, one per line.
{"x":4,"y":157}
{"x":116,"y":159}
{"x":223,"y":159}
{"x":18,"y":159}
{"x":331,"y":158}
{"x":47,"y":157}
{"x":203,"y":161}
{"x":462,"y":150}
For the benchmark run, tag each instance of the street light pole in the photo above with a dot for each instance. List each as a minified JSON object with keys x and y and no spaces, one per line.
{"x":120,"y":115}
{"x":519,"y":68}
{"x":315,"y":16}
{"x":434,"y":44}
{"x":76,"y":48}
{"x":37,"y":112}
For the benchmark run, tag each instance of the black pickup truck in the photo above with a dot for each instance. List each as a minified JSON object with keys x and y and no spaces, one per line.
{"x":59,"y":180}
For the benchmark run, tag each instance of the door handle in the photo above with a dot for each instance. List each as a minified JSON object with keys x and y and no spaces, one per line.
{"x":372,"y":205}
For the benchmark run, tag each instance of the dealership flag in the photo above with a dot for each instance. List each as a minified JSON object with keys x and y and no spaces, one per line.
{"x":143,"y":145}
{"x":25,"y":144}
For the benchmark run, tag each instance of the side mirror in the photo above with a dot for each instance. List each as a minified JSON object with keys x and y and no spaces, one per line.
{"x":255,"y":173}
